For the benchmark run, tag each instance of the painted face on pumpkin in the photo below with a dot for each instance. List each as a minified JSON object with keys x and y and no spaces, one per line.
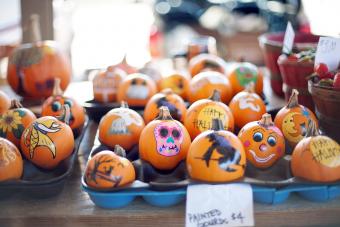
{"x":57,"y":106}
{"x":294,"y":126}
{"x":138,"y":89}
{"x":169,"y":137}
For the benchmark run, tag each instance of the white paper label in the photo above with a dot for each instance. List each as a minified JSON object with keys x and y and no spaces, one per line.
{"x":288,"y":40}
{"x":328,"y":52}
{"x":219,"y":205}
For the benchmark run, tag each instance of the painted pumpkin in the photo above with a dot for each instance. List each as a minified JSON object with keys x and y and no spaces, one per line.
{"x":164,"y":142}
{"x":292,"y":120}
{"x":206,"y":62}
{"x":14,"y":121}
{"x":247,"y":106}
{"x":244,"y":73}
{"x":108,"y":169}
{"x":316,"y":157}
{"x":48,"y":141}
{"x":178,"y":82}
{"x":53,"y":106}
{"x":11,"y":164}
{"x":216,"y":155}
{"x":105,"y":84}
{"x":152,"y":70}
{"x":166,"y":98}
{"x":136,"y":89}
{"x":202,"y":86}
{"x":201,"y":113}
{"x":121,"y":126}
{"x":5,"y":102}
{"x":264,"y":143}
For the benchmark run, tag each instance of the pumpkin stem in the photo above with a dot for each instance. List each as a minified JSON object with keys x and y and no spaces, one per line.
{"x":164,"y":113}
{"x":119,"y":151}
{"x":217,"y":124}
{"x":56,"y":87}
{"x":15,"y":104}
{"x":66,"y":115}
{"x":216,"y":96}
{"x":124,"y":104}
{"x":250,"y":87}
{"x":312,"y":130}
{"x":35,"y":28}
{"x":293,"y":100}
{"x":266,"y":120}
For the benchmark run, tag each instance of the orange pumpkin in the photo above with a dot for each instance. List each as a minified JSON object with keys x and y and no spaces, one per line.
{"x":106,"y":83}
{"x":316,"y":157}
{"x":136,"y":89}
{"x":247,"y":106}
{"x":241,"y":74}
{"x":108,"y":169}
{"x":206,"y":62}
{"x":151,"y":69}
{"x":48,"y":141}
{"x":53,"y":106}
{"x":11,"y":164}
{"x":202,"y":85}
{"x":5,"y":102}
{"x":216,"y":156}
{"x":14,"y":121}
{"x":121,"y":126}
{"x":292,"y":120}
{"x":164,"y":142}
{"x":263,"y":141}
{"x":200,"y":114}
{"x":178,"y":82}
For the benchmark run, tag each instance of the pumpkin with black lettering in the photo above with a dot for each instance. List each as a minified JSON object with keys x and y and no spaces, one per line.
{"x":206,"y":62}
{"x":5,"y":102}
{"x":178,"y":82}
{"x":11,"y":163}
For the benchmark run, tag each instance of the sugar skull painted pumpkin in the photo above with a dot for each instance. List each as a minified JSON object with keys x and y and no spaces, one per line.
{"x":108,"y":169}
{"x":5,"y":102}
{"x":121,"y":126}
{"x":201,"y":113}
{"x":14,"y":121}
{"x":206,"y":62}
{"x":164,"y":142}
{"x":216,"y":155}
{"x":136,"y":89}
{"x":11,"y":164}
{"x":263,"y":142}
{"x":178,"y":82}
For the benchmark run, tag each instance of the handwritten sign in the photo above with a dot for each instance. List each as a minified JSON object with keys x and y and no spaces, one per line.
{"x":288,"y":40}
{"x":328,"y":52}
{"x":219,"y":205}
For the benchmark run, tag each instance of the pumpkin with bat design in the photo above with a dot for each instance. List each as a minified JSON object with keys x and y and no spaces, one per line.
{"x":121,"y":126}
{"x":216,"y":156}
{"x":136,"y":89}
{"x":164,"y":142}
{"x":11,"y":163}
{"x":47,"y":141}
{"x":292,"y":120}
{"x":14,"y":121}
{"x":200,"y":114}
{"x":264,"y":143}
{"x":178,"y":82}
{"x":206,"y":62}
{"x":108,"y":169}
{"x":5,"y":102}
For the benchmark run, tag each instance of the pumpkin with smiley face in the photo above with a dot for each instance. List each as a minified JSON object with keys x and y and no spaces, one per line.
{"x":263,"y":141}
{"x":178,"y":82}
{"x":206,"y":62}
{"x":136,"y":89}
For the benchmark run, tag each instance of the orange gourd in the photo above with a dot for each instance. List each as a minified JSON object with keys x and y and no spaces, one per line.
{"x":121,"y":126}
{"x":11,"y":164}
{"x":263,"y":142}
{"x":206,"y":62}
{"x":178,"y":82}
{"x":164,"y":142}
{"x":216,"y":155}
{"x":5,"y":102}
{"x":200,"y":114}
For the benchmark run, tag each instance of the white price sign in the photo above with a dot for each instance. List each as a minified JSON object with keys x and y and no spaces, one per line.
{"x":288,"y":40}
{"x":219,"y":205}
{"x":328,"y":52}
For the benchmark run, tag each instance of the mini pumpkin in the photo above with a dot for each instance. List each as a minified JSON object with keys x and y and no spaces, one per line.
{"x":121,"y":126}
{"x":263,"y":142}
{"x":178,"y":82}
{"x":106,"y":83}
{"x":216,"y":155}
{"x":316,"y":157}
{"x":292,"y":120}
{"x":5,"y":102}
{"x":14,"y":121}
{"x":164,"y":142}
{"x":53,"y":106}
{"x":201,"y":113}
{"x":108,"y":169}
{"x":206,"y":62}
{"x":247,"y":106}
{"x":47,"y":141}
{"x":11,"y":163}
{"x":136,"y":89}
{"x":152,"y":70}
{"x":202,"y":85}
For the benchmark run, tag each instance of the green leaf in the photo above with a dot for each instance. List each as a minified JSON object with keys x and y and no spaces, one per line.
{"x":18,"y":132}
{"x":21,"y":112}
{"x":2,"y":134}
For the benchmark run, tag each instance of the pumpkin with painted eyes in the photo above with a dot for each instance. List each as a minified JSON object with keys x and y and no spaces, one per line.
{"x":292,"y":120}
{"x":206,"y":62}
{"x":108,"y":169}
{"x":136,"y":89}
{"x":202,"y":86}
{"x":247,"y":106}
{"x":178,"y":82}
{"x":5,"y":102}
{"x":121,"y":126}
{"x":11,"y":164}
{"x":216,"y":155}
{"x":263,"y":142}
{"x":164,"y":142}
{"x":53,"y":106}
{"x":201,"y":113}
